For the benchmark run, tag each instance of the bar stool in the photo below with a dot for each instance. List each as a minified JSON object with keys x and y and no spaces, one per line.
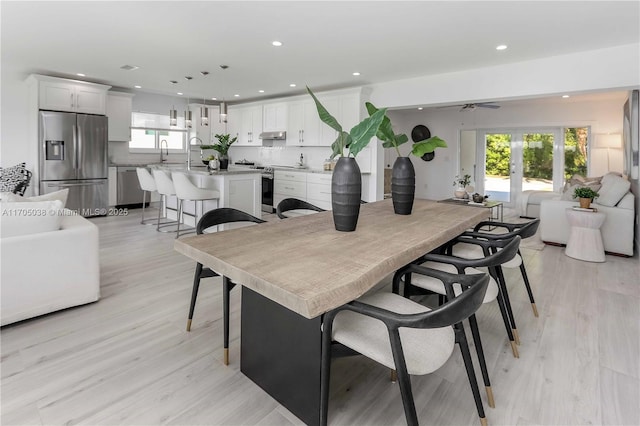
{"x":186,"y":190}
{"x":147,"y":184}
{"x":165,"y":188}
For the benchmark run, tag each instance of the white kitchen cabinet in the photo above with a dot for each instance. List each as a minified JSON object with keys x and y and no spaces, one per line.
{"x":274,"y":117}
{"x":60,"y":94}
{"x":319,"y":189}
{"x":119,"y":106}
{"x":303,"y":124}
{"x":246,"y":123}
{"x":288,"y":184}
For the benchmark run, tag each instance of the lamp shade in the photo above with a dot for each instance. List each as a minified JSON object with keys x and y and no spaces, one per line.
{"x":608,"y":140}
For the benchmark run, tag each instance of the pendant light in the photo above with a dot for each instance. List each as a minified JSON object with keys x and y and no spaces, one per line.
{"x":204,"y":111}
{"x":173,"y":114}
{"x":187,"y":112}
{"x":223,"y":105}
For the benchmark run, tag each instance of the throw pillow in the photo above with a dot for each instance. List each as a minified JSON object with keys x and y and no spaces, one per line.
{"x":57,"y":195}
{"x":30,"y":218}
{"x":613,"y":189}
{"x":10,"y":177}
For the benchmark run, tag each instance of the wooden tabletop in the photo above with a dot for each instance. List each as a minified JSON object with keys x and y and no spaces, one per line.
{"x":307,"y":266}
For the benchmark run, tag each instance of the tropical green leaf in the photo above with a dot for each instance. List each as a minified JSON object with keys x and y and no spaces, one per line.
{"x":362,"y":132}
{"x":342,"y":141}
{"x":324,"y":114}
{"x":385,"y":131}
{"x":427,"y":145}
{"x":401,"y":138}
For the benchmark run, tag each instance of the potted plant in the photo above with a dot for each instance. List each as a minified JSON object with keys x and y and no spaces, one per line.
{"x":586,"y":195}
{"x":346,"y":181}
{"x":223,"y":145}
{"x":403,"y":177}
{"x":461,"y":184}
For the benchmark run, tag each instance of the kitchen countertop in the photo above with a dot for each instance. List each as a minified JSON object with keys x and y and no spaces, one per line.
{"x":203,"y":170}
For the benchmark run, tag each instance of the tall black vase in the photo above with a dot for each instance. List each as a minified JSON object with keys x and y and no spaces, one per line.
{"x":346,"y":190}
{"x":403,"y":185}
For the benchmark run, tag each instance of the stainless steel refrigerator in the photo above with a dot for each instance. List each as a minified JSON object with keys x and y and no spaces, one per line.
{"x":73,"y":154}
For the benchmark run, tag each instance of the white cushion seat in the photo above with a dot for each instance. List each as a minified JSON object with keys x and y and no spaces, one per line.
{"x":425,"y":350}
{"x":187,"y":190}
{"x":435,"y":285}
{"x":473,"y":251}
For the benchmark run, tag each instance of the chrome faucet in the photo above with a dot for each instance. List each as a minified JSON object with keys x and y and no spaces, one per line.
{"x":166,"y":145}
{"x":189,"y":150}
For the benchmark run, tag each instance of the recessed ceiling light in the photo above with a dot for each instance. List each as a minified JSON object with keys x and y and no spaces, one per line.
{"x":214,"y":99}
{"x":356,"y":73}
{"x":138,"y":87}
{"x":292,"y":85}
{"x":501,"y":47}
{"x":80,"y":74}
{"x":276,"y":43}
{"x":180,"y":93}
{"x":420,"y":108}
{"x":236,"y":95}
{"x":565,"y":96}
{"x":260,"y":91}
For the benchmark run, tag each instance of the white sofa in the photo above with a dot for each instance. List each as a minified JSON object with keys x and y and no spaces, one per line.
{"x":617,"y":230}
{"x":47,"y":271}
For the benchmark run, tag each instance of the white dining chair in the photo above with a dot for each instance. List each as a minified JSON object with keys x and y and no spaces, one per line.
{"x":187,"y":190}
{"x":148,"y":185}
{"x":165,"y":188}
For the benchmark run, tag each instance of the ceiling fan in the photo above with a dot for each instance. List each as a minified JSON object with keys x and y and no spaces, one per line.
{"x":473,"y":106}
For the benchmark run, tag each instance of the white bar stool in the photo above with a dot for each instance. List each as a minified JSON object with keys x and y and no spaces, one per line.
{"x":147,"y":184}
{"x":186,"y":190}
{"x":165,"y":188}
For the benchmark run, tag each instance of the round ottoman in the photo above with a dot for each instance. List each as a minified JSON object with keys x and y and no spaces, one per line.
{"x":585,"y":240}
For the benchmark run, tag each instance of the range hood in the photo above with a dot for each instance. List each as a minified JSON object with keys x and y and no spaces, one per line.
{"x":273,"y":136}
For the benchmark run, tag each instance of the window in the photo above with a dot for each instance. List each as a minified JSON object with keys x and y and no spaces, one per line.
{"x":149,"y":131}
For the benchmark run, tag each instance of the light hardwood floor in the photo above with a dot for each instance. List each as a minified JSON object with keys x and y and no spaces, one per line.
{"x":128,"y":360}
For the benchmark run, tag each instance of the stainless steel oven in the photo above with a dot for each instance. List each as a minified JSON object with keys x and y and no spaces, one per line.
{"x":267,"y":190}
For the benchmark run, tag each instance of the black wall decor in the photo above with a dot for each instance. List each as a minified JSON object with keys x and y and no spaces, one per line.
{"x":420,"y":133}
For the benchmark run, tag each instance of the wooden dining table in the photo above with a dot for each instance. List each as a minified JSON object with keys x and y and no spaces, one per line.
{"x":294,"y":270}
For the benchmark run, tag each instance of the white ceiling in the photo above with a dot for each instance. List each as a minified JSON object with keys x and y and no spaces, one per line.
{"x":324,"y":42}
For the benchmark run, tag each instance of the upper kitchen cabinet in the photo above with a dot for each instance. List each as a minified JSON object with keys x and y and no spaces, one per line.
{"x":274,"y":117}
{"x":119,"y":106}
{"x":246,"y":124}
{"x":305,"y":127}
{"x":303,"y":123}
{"x":59,"y":94}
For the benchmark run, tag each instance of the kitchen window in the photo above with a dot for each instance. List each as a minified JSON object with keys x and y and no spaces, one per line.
{"x":150,"y":131}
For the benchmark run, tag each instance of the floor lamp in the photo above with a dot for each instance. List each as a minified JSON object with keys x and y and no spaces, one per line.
{"x":608,"y":141}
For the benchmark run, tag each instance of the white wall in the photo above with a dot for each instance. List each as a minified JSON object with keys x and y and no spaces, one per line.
{"x":434,"y":179}
{"x":14,"y":142}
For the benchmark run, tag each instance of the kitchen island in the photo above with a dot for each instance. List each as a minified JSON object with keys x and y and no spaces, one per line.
{"x":239,"y":188}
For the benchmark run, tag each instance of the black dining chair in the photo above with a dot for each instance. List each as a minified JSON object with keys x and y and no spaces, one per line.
{"x":210,"y":219}
{"x":488,"y":230}
{"x":404,"y":335}
{"x":416,"y":283}
{"x":289,"y":204}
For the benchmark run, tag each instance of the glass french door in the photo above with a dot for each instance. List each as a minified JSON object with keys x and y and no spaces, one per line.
{"x":519,"y":160}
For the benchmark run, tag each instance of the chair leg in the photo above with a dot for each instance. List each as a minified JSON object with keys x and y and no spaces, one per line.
{"x":505,"y":316}
{"x":483,"y":364}
{"x":503,"y":283}
{"x":523,"y":271}
{"x":227,"y":286}
{"x":179,"y":217}
{"x":144,"y":199}
{"x":403,"y":378}
{"x":194,"y":294}
{"x":162,"y":197}
{"x":461,"y":339}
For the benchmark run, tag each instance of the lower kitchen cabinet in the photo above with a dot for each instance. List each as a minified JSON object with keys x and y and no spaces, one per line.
{"x":314,"y":188}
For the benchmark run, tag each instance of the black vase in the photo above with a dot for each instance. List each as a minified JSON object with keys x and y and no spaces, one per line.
{"x":224,"y":162}
{"x":403,"y":185}
{"x":346,"y":189}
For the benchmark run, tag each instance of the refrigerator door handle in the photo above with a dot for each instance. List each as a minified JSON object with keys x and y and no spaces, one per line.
{"x":78,"y":143}
{"x":75,"y":147}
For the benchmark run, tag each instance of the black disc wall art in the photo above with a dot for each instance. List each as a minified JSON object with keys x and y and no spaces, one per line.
{"x":420,"y":133}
